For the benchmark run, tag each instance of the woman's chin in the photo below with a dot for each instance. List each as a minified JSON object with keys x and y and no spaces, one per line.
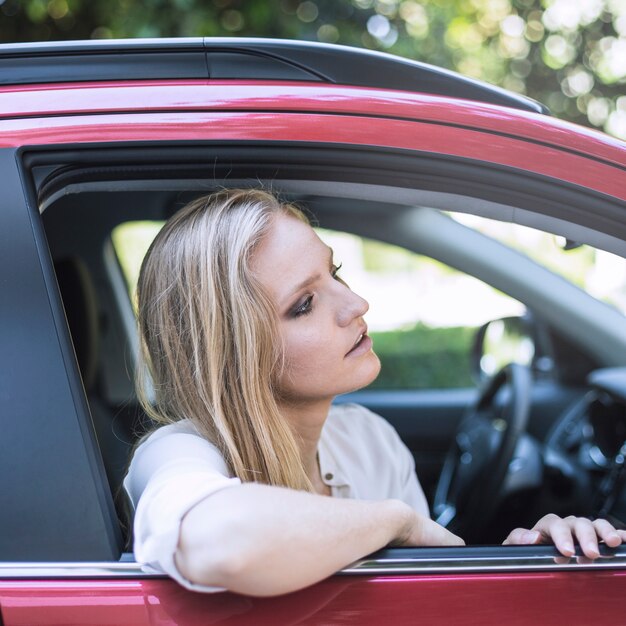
{"x":313,"y":387}
{"x":368,"y":372}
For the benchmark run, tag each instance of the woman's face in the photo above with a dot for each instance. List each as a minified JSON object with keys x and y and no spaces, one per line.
{"x":320,"y":320}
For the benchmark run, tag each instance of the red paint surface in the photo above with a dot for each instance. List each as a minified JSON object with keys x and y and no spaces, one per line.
{"x":145,"y":96}
{"x":450,"y":140}
{"x":171,"y":96}
{"x":557,"y":598}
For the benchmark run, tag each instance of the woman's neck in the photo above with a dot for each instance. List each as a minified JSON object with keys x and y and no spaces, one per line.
{"x":307,"y":421}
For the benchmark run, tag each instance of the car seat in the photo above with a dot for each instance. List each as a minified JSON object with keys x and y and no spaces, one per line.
{"x":113,"y":432}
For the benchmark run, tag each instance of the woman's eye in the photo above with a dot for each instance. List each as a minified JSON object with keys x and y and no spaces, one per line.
{"x":334,"y":272}
{"x":304,"y":308}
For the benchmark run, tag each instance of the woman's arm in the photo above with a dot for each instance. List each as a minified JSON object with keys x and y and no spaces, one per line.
{"x":270,"y":540}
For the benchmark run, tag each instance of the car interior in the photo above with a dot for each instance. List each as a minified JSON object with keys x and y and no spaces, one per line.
{"x":567,"y":453}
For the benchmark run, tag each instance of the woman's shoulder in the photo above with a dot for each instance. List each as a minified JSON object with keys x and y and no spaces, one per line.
{"x":181,"y":427}
{"x":173,"y":450}
{"x":178,"y":436}
{"x":176,"y":444}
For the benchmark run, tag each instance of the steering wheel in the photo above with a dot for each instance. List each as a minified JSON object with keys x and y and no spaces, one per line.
{"x":470,"y":483}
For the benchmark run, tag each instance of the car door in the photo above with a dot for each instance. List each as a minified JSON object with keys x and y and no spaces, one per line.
{"x":62,"y":557}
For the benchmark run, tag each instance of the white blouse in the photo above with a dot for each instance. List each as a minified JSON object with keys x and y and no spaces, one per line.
{"x":360,"y":455}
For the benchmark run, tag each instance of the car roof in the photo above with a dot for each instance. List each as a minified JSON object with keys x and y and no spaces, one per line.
{"x":240,"y":58}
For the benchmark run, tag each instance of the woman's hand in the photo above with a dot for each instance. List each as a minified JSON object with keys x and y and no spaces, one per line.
{"x":564,"y":532}
{"x":418,"y":530}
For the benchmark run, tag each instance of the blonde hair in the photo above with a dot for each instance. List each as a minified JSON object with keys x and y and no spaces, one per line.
{"x":209,"y":339}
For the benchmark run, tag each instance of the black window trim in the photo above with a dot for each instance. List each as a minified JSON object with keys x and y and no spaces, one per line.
{"x":240,"y":58}
{"x":322,"y":161}
{"x":46,"y":467}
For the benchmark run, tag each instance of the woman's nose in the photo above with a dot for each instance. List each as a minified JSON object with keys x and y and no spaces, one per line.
{"x":353,"y":307}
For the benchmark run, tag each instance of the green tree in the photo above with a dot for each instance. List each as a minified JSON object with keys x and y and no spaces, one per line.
{"x":569,"y":55}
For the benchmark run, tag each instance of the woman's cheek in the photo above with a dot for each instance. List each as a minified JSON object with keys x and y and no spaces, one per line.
{"x":304,"y":350}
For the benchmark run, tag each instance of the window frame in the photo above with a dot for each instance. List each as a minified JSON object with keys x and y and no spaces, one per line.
{"x":47,"y":166}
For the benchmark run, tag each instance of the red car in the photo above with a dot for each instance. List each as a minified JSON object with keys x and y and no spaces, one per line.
{"x":504,"y":371}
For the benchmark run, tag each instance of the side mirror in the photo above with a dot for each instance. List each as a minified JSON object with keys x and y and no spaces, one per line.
{"x":511,"y":340}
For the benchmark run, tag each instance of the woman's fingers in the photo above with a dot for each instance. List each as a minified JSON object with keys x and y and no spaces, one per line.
{"x":428,"y":533}
{"x":608,"y":534}
{"x":522,"y":537}
{"x":419,"y":530}
{"x":585,"y":533}
{"x":565,"y":533}
{"x":558,"y":530}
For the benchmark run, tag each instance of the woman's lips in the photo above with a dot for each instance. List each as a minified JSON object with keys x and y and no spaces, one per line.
{"x":362,"y":346}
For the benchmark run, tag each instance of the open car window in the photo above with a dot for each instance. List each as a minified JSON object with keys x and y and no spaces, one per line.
{"x":424,"y":314}
{"x":599,"y":273}
{"x":412,"y":227}
{"x":427,"y":312}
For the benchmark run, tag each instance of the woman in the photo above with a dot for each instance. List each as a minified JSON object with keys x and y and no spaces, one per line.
{"x":248,"y":334}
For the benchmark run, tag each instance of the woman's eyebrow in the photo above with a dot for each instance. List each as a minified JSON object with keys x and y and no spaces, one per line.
{"x":311,"y":279}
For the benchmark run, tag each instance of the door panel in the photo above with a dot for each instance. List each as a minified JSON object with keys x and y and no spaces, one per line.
{"x":449,"y":599}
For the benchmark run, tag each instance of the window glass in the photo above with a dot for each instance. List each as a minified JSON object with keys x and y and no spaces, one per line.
{"x":599,"y":273}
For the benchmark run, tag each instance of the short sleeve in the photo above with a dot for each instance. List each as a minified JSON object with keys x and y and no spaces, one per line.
{"x":170,"y":472}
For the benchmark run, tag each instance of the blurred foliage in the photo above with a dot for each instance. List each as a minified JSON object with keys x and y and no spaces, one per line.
{"x":424,"y":358}
{"x":569,"y":54}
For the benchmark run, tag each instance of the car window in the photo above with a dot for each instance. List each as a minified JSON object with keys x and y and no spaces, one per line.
{"x":423,"y":315}
{"x":599,"y":273}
